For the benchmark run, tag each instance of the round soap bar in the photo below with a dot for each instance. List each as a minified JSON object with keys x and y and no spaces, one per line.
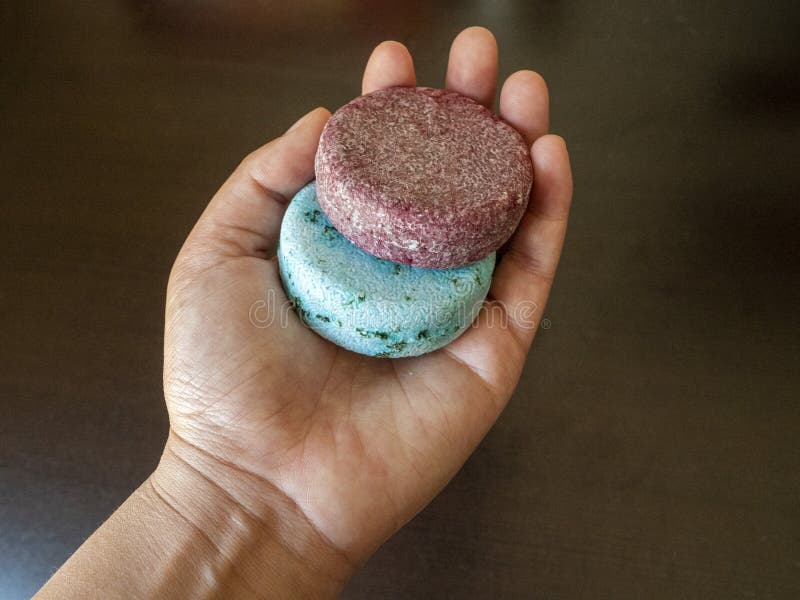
{"x":367,"y":304}
{"x":423,"y":177}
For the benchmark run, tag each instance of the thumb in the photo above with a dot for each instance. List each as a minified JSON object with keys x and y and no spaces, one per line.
{"x":244,"y":216}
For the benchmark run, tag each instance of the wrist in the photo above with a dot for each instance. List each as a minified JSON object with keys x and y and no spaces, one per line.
{"x":253,"y":537}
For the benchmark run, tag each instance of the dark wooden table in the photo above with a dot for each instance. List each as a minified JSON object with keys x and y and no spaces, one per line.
{"x":653,"y":447}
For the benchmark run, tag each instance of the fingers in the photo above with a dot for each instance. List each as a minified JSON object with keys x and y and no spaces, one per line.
{"x":390,"y":64}
{"x":243,"y":218}
{"x":472,"y":67}
{"x":525,"y":105}
{"x":496,"y":346}
{"x":523,"y":278}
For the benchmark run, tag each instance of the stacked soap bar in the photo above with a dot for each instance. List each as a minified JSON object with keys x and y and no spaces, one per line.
{"x":390,"y":252}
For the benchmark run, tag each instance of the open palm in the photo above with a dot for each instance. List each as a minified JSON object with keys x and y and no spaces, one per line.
{"x":358,"y":444}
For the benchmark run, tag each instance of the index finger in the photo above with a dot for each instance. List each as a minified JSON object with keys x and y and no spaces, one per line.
{"x":389,"y":65}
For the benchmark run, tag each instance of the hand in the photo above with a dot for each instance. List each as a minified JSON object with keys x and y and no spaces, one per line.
{"x":354,"y":446}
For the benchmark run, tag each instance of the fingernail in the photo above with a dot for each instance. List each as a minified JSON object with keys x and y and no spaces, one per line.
{"x":300,"y":122}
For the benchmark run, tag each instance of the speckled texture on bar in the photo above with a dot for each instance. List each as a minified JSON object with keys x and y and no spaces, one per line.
{"x":367,"y":304}
{"x":422,"y":176}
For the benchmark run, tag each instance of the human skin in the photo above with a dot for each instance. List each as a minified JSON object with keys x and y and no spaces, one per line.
{"x":290,"y":460}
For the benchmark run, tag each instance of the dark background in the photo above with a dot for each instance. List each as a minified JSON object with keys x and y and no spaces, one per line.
{"x":652,"y":449}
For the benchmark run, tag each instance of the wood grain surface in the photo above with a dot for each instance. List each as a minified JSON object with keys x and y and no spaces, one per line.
{"x":652,"y":449}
